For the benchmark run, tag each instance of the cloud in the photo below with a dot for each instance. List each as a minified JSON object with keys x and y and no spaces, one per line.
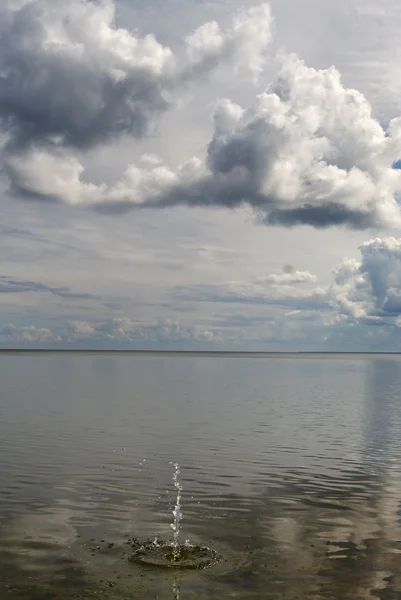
{"x":309,"y":153}
{"x":369,"y":290}
{"x":363,"y":298}
{"x":291,"y":277}
{"x":70,"y":77}
{"x":257,"y":293}
{"x":119,"y":332}
{"x":71,"y":80}
{"x":10,"y":285}
{"x":115,"y":333}
{"x":361,"y":308}
{"x":364,"y":293}
{"x":243,"y":44}
{"x":28,"y":334}
{"x":126,"y":330}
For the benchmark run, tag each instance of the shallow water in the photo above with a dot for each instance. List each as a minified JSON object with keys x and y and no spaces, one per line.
{"x":289,"y":466}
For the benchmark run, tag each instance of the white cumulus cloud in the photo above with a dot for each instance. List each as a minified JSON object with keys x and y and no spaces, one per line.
{"x":291,"y":277}
{"x":369,"y":289}
{"x":244,"y":42}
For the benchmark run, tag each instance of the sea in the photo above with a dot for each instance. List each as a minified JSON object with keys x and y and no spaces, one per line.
{"x":289,"y":465}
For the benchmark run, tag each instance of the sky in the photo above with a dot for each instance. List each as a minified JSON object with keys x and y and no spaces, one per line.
{"x":201,"y":175}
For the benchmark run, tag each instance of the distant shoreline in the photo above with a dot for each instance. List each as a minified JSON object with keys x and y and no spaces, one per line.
{"x":201,"y":353}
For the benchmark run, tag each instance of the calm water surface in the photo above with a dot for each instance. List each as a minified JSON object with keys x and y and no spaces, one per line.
{"x":290,"y":469}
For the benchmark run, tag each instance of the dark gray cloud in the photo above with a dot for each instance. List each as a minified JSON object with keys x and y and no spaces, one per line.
{"x":69,"y":77}
{"x":10,"y":285}
{"x":321,"y":217}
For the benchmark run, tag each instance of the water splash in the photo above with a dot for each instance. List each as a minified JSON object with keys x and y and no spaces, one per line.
{"x":177,"y":514}
{"x":170,"y":554}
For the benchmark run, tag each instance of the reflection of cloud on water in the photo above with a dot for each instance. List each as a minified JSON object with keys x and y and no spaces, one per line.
{"x":327,"y":527}
{"x":381,"y":452}
{"x":51,"y":526}
{"x":38,"y":543}
{"x":382,"y":418}
{"x":325,"y":534}
{"x":35,"y":560}
{"x":348,"y":522}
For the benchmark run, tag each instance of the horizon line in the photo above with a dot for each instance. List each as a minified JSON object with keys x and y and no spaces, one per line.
{"x":195,"y":352}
